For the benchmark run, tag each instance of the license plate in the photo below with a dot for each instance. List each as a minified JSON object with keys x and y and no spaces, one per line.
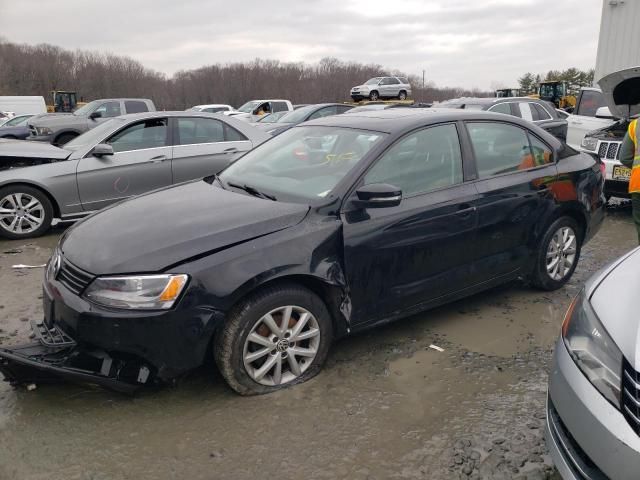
{"x":621,"y":173}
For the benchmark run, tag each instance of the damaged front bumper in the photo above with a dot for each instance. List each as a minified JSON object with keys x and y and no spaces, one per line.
{"x":55,"y":357}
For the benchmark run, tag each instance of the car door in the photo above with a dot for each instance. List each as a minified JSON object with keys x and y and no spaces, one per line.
{"x":584,"y":120}
{"x":204,"y":146}
{"x":394,"y":87}
{"x":385,"y":88}
{"x":516,"y":175}
{"x":416,"y":252}
{"x":140,"y":163}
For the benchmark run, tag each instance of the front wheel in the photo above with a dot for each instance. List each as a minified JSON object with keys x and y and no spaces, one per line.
{"x":25,"y":212}
{"x":374,"y":96}
{"x":557,"y":254}
{"x":275,"y":338}
{"x":64,"y":138}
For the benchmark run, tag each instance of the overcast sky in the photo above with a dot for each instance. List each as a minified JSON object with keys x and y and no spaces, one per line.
{"x":468,"y":43}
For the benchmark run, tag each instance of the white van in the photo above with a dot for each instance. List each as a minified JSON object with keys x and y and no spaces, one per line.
{"x":23,"y":105}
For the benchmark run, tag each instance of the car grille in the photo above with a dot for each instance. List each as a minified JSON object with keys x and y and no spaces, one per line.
{"x":631,"y":396}
{"x":609,"y":150}
{"x":32,"y":130}
{"x":73,"y":278}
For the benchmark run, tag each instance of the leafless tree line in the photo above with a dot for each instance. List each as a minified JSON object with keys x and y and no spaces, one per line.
{"x":39,"y":69}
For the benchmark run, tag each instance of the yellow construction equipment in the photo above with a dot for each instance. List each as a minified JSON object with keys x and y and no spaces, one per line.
{"x":64,"y":101}
{"x":556,"y":92}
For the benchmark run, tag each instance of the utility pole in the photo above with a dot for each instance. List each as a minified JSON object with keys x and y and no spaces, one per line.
{"x":423,"y":79}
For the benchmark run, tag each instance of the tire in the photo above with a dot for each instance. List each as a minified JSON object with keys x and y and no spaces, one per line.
{"x":25,"y":223}
{"x":232,"y":346}
{"x":374,"y":95}
{"x":9,"y":137}
{"x":544,"y":276}
{"x":402,"y":95}
{"x":64,"y":138}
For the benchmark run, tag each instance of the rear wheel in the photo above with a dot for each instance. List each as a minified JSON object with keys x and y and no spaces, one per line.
{"x":374,"y":95}
{"x":558,"y":254}
{"x":24,"y":212}
{"x":274,"y":339}
{"x":64,"y":138}
{"x":402,"y":95}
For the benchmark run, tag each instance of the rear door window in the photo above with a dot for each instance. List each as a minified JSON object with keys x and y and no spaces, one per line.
{"x":193,"y":131}
{"x":233,"y":135}
{"x":499,"y":148}
{"x":504,"y":107}
{"x":323,"y":112}
{"x":134,"y":106}
{"x":539,"y":112}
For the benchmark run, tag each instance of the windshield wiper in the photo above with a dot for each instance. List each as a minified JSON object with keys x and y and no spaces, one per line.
{"x":252,"y":191}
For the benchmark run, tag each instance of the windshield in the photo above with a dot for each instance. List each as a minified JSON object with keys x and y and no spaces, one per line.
{"x":303,"y":163}
{"x":95,"y":135}
{"x":249,"y":106}
{"x":297,"y":116}
{"x":373,"y":81}
{"x":87,"y":109}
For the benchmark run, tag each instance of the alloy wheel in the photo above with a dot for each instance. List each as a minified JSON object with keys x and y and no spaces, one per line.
{"x":281,"y":346}
{"x":21,"y":213}
{"x":561,"y":253}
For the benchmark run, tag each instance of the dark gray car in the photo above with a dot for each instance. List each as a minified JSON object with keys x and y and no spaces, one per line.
{"x":540,"y":112}
{"x":59,"y":128}
{"x":41,"y":184}
{"x":303,"y":114}
{"x":593,"y":409}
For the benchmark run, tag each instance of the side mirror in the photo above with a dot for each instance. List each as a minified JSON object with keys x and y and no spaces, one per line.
{"x":95,"y":115}
{"x":378,"y":195}
{"x":603,"y":112}
{"x":102,"y":149}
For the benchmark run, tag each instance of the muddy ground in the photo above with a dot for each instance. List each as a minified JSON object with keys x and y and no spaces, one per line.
{"x":386,"y":405}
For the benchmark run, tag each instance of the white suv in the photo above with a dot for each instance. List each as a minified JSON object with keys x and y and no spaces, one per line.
{"x":382,"y":87}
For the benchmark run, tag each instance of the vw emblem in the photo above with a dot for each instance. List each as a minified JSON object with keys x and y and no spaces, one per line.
{"x":282,"y":345}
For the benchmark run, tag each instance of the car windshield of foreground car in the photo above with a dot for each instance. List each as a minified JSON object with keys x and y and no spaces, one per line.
{"x":302,"y":164}
{"x":373,"y":81}
{"x":249,"y":106}
{"x":93,"y":136}
{"x":88,"y":108}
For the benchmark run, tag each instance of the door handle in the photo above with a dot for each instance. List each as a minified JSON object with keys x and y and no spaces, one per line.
{"x":231,"y":150}
{"x":158,"y":159}
{"x":465,"y":210}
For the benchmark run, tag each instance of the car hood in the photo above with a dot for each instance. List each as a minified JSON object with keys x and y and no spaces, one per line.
{"x":27,"y":149}
{"x":614,"y":301}
{"x":55,"y":119}
{"x":622,"y":92}
{"x":167,"y":227}
{"x":361,"y":86}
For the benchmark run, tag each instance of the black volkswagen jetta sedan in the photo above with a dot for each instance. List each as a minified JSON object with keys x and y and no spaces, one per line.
{"x":337,"y":225}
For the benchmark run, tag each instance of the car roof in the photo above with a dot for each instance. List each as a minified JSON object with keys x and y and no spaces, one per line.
{"x":397,"y":120}
{"x":210,"y":105}
{"x":179,"y":113}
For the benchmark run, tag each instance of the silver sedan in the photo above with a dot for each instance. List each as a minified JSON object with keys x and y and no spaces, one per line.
{"x":41,"y":185}
{"x":593,"y":409}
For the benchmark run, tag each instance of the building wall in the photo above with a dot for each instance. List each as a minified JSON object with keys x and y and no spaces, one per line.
{"x":619,"y":42}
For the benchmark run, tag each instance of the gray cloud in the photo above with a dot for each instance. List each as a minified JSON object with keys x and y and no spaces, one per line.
{"x":467,"y":43}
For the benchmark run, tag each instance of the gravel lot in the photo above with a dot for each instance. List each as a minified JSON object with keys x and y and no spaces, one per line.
{"x":386,"y":406}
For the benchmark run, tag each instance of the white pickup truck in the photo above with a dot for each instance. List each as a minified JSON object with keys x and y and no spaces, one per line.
{"x":601,"y":121}
{"x":254,"y":109}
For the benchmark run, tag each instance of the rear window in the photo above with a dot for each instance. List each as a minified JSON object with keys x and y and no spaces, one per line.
{"x":538,"y":112}
{"x":403,"y":80}
{"x":133,"y":106}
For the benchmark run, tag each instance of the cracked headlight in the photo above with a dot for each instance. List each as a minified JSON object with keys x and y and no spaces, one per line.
{"x":589,"y":143}
{"x":592,"y":348}
{"x":140,"y":292}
